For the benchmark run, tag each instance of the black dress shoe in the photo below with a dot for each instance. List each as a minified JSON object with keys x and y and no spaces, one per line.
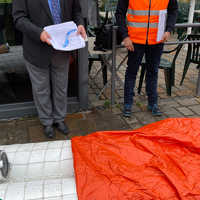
{"x":49,"y":132}
{"x":62,"y":127}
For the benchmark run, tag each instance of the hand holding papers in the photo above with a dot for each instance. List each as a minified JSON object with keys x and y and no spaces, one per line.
{"x":64,"y":36}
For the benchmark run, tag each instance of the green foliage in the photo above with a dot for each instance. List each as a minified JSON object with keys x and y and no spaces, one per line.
{"x":108,"y":5}
{"x":107,"y":104}
{"x":118,"y":106}
{"x":102,"y":5}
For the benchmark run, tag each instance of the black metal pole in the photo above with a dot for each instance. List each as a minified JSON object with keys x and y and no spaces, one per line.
{"x":113,"y":75}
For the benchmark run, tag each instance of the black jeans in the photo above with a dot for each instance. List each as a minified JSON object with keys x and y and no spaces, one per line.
{"x":152,"y":55}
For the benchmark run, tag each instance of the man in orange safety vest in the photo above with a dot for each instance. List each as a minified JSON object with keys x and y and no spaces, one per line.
{"x":144,"y":26}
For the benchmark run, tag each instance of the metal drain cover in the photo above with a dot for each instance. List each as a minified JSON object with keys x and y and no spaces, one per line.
{"x":4,"y":164}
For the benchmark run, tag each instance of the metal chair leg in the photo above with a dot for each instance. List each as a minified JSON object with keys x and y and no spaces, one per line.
{"x":185,"y":71}
{"x":104,"y":72}
{"x":168,"y":81}
{"x":90,"y":65}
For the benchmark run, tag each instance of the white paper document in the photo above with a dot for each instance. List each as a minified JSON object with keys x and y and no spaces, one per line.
{"x":64,"y":36}
{"x":161,"y":24}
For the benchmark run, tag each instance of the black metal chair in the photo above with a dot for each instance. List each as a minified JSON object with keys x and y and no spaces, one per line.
{"x":193,"y":55}
{"x":92,"y":59}
{"x":110,"y":7}
{"x":91,"y":33}
{"x":167,"y":66}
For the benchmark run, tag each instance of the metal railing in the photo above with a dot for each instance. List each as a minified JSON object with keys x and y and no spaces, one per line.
{"x":185,"y":25}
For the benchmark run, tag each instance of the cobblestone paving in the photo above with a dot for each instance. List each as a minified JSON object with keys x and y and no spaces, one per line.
{"x":101,"y":116}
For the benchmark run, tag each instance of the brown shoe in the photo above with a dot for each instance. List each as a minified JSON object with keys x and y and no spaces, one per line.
{"x":4,"y":48}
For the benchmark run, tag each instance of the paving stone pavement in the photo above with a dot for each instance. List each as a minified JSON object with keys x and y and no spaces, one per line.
{"x":102,"y":116}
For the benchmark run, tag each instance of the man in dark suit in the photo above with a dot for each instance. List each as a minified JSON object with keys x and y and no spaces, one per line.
{"x":48,"y":68}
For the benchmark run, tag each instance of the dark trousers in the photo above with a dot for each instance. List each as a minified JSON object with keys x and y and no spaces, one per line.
{"x":152,"y":55}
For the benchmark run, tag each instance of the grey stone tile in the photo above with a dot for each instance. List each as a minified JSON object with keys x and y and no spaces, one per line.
{"x":172,"y":112}
{"x":131,"y":120}
{"x":144,"y":117}
{"x":185,"y":111}
{"x":195,"y":109}
{"x":98,"y":103}
{"x":188,"y":101}
{"x":116,"y":111}
{"x":168,"y":103}
{"x":135,"y":125}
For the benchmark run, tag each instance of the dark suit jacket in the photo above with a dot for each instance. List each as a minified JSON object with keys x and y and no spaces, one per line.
{"x":31,"y":16}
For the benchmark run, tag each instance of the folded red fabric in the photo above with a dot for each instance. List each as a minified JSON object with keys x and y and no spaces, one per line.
{"x":160,"y":161}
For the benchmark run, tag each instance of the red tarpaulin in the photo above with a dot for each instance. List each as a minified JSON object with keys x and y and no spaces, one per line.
{"x":158,"y":161}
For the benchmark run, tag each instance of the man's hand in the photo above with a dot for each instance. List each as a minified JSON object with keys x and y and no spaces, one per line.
{"x":166,"y":36}
{"x":128,"y":44}
{"x":81,"y":31}
{"x":45,"y":37}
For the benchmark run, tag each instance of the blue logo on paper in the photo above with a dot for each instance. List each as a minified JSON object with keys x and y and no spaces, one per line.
{"x":67,"y":39}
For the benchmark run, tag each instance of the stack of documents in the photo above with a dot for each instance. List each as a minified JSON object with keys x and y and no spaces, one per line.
{"x":64,"y":36}
{"x":161,"y":24}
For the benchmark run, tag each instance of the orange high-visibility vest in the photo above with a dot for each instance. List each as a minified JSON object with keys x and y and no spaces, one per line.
{"x":143,"y":18}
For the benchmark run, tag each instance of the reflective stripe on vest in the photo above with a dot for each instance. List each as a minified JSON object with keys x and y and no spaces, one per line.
{"x":142,"y":25}
{"x":142,"y":12}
